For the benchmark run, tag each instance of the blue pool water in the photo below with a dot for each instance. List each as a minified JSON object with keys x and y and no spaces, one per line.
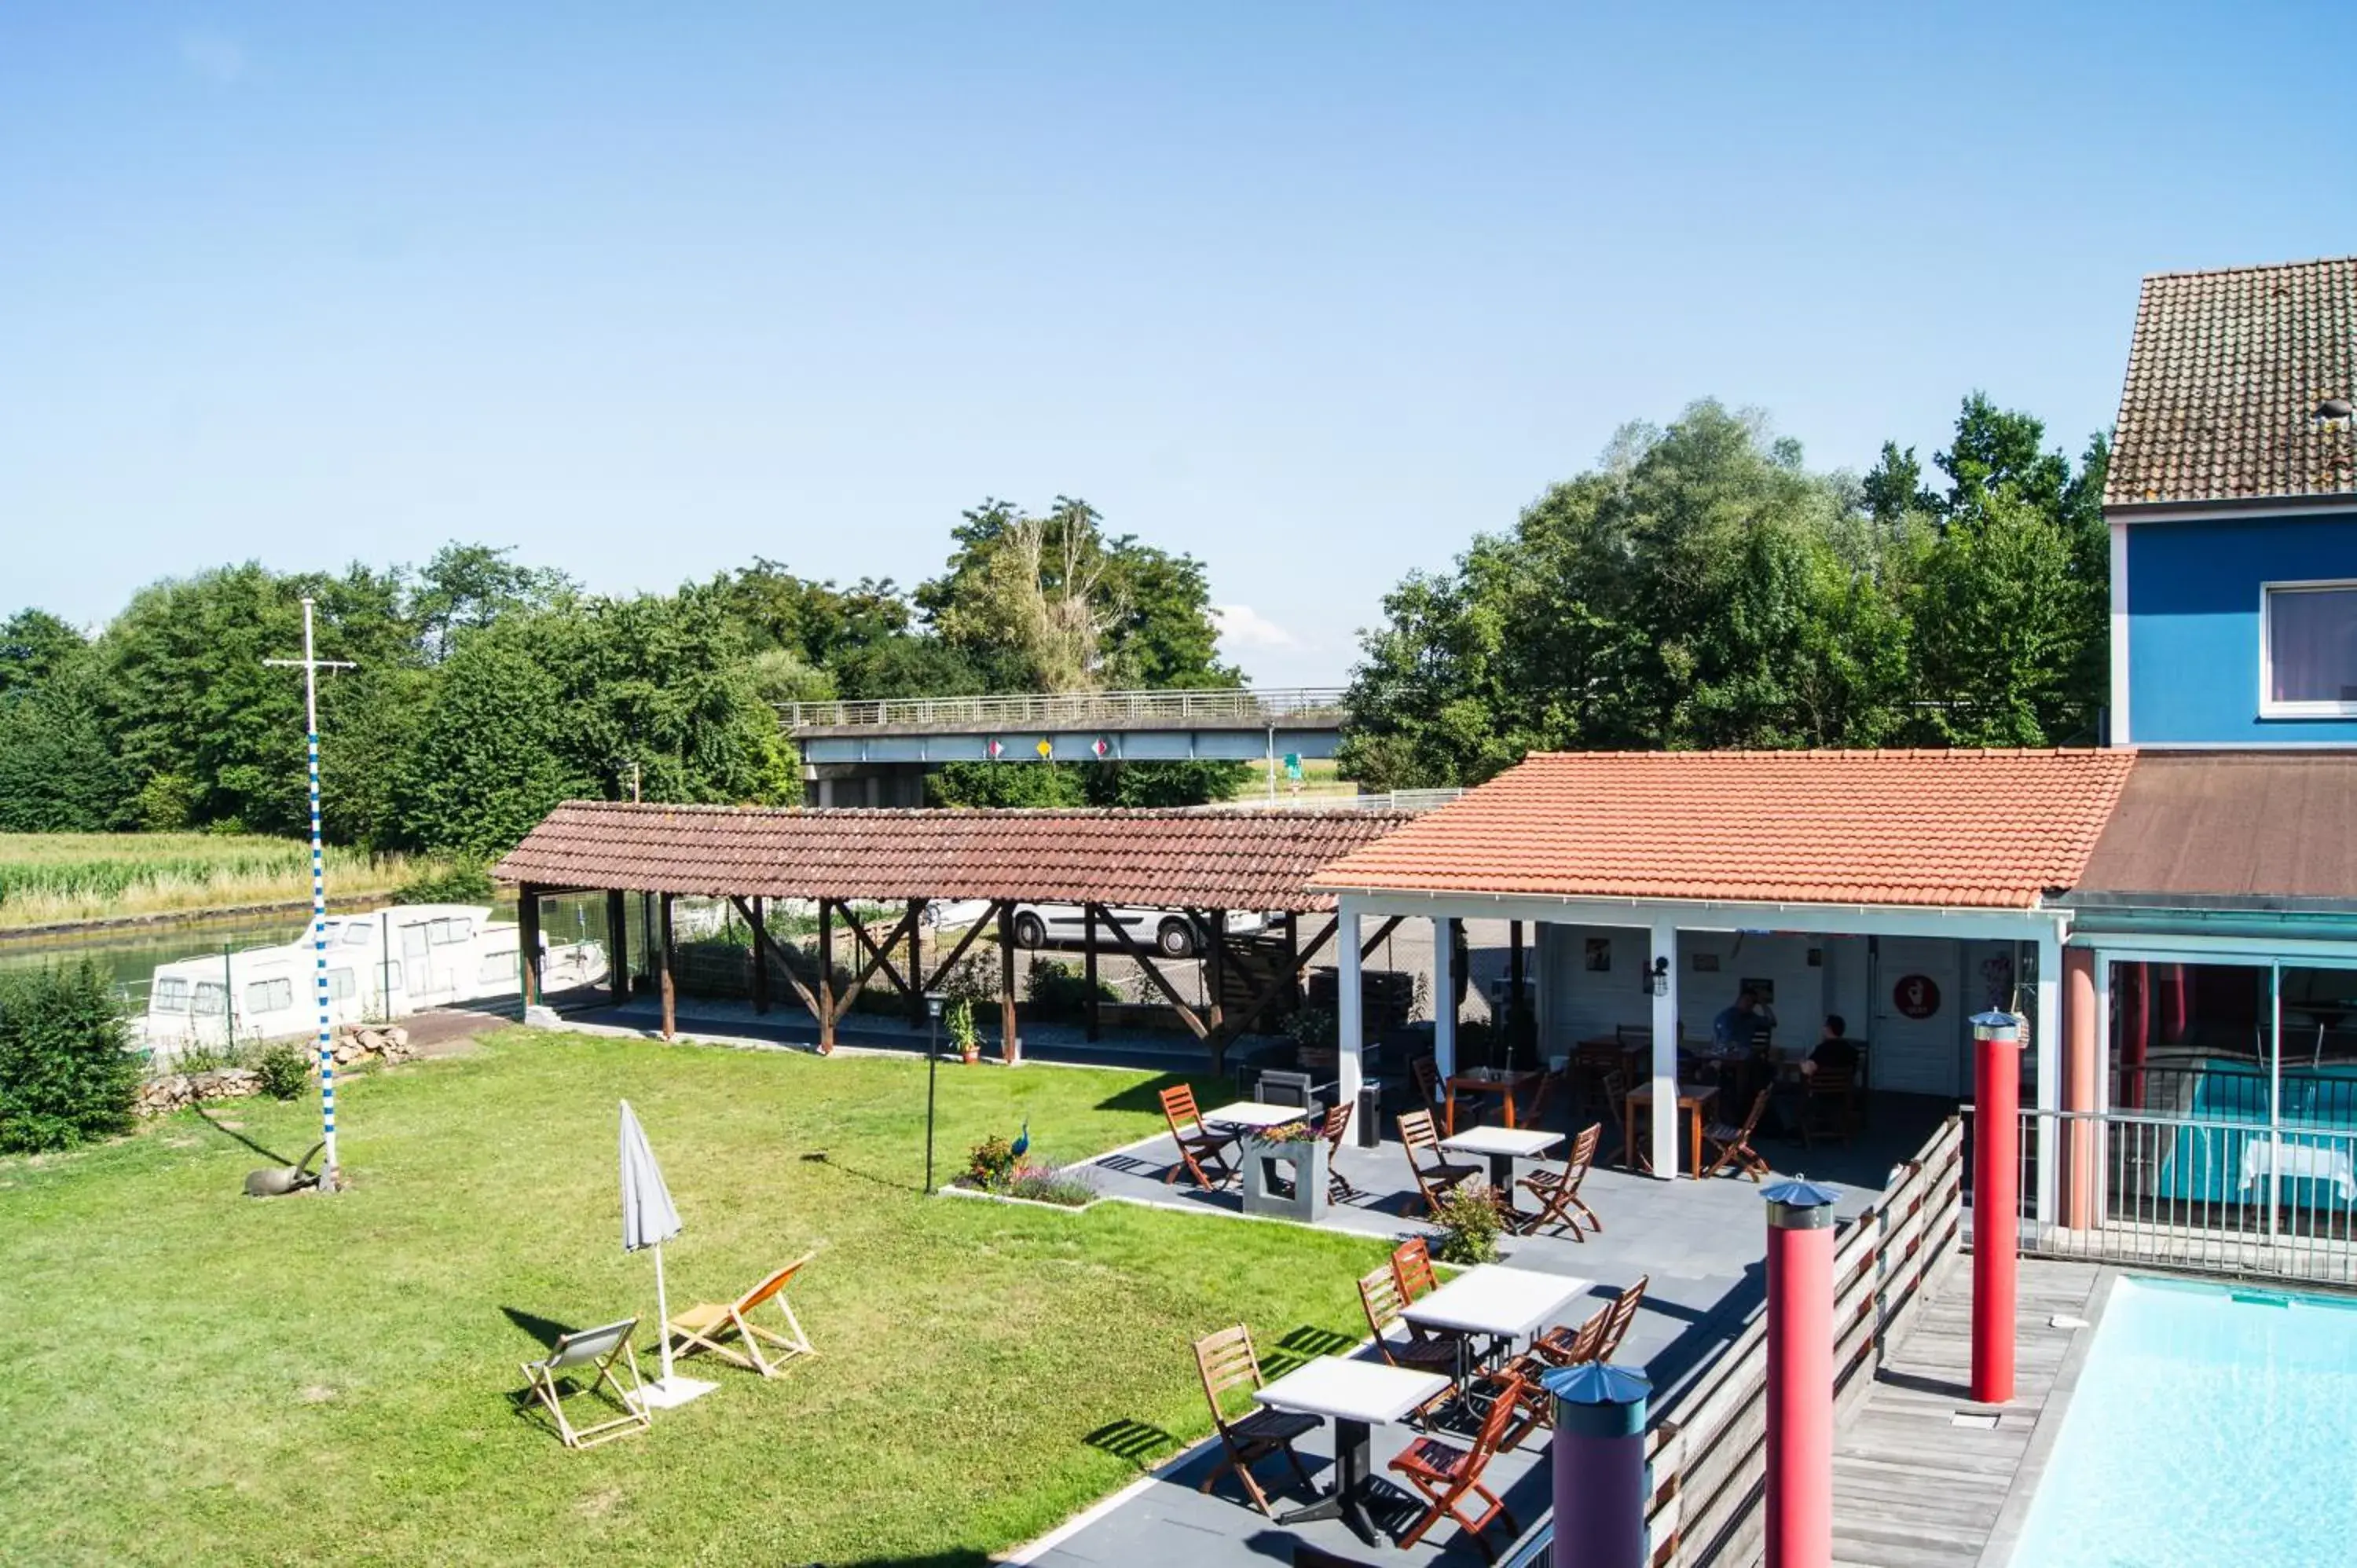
{"x":2211,"y":1425}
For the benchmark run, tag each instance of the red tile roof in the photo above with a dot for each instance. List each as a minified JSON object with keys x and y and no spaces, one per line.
{"x":1983,"y":828}
{"x":1215,"y":860}
{"x":2224,"y":376}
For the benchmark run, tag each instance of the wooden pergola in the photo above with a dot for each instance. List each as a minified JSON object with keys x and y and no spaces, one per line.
{"x":1204,"y":862}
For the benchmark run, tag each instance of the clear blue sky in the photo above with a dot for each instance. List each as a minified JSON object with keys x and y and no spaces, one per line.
{"x":1311,"y":291}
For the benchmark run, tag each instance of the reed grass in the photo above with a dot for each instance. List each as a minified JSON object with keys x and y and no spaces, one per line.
{"x":51,"y":878}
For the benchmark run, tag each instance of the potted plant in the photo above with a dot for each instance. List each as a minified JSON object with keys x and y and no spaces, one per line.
{"x":1285,"y":1173}
{"x":968,"y":1039}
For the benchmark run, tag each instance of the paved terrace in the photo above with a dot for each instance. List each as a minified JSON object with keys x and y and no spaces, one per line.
{"x":1702,"y":1244}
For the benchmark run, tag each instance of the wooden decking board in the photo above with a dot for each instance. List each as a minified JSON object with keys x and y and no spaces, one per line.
{"x":1912,"y":1490}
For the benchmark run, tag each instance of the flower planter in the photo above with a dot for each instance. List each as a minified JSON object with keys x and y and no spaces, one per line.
{"x":1284,"y":1178}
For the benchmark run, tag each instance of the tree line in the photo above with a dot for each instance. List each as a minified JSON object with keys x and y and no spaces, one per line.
{"x":487,"y":690}
{"x":1701,"y":587}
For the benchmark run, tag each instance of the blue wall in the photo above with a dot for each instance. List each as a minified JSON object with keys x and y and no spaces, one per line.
{"x":2193,"y":625}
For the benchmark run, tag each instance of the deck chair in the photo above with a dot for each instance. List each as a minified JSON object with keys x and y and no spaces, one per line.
{"x":1200,"y":1150}
{"x":1618,"y":1316}
{"x":1417,"y":1349}
{"x":1435,"y":1177}
{"x":703,"y":1325}
{"x":1336,"y":1132}
{"x":1728,"y":1144}
{"x":591,"y":1354}
{"x":1557,"y":1191}
{"x":1446,"y":1475}
{"x":1227,"y":1361}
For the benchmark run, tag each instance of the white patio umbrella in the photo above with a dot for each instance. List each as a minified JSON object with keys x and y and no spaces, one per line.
{"x":648,"y":1220}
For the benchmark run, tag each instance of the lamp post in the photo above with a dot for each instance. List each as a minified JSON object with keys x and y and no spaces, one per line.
{"x":932,"y":1072}
{"x":1996,"y":1200}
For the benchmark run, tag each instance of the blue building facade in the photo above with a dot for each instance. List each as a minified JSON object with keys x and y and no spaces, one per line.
{"x":2238,"y":630}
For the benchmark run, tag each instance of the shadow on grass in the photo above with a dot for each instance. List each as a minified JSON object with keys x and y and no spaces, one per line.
{"x":821,"y":1157}
{"x":204,"y":1114}
{"x":1145,"y":1095}
{"x":547,"y":1330}
{"x":1141,"y":1443}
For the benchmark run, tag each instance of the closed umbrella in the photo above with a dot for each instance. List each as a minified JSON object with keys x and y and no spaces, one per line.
{"x":648,"y":1220}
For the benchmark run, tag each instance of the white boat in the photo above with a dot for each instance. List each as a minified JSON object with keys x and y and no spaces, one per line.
{"x":379,"y":965}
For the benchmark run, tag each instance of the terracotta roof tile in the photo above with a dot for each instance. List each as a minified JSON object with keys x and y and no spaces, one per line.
{"x":2224,"y":376}
{"x":1221,"y":860}
{"x":1983,"y":829}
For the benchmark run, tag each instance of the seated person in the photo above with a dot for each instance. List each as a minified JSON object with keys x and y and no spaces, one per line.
{"x":1834,"y":1048}
{"x":1742,"y":1029}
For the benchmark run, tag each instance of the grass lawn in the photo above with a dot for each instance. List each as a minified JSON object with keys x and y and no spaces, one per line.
{"x":199,"y":1377}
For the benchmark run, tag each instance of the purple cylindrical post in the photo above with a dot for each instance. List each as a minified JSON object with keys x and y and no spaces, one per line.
{"x":1599,"y":1465}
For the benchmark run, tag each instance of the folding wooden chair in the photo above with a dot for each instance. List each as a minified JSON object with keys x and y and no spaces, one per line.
{"x":1618,"y":1316}
{"x":1557,"y":1191}
{"x":1198,"y":1146}
{"x":1425,"y":1074}
{"x":1445,"y":1475}
{"x":1733,"y":1143}
{"x":1616,"y":1116}
{"x":1336,"y":1130}
{"x":703,"y":1325}
{"x":591,"y":1353}
{"x":1412,"y":1267}
{"x":1226,"y":1361}
{"x":1828,"y":1106}
{"x":1418,"y":1349}
{"x":1436,"y":1181}
{"x":1566,"y":1347}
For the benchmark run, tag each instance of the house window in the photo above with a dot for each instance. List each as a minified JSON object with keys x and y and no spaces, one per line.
{"x":2308,"y":650}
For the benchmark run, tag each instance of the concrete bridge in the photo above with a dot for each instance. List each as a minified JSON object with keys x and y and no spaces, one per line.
{"x":875,"y":753}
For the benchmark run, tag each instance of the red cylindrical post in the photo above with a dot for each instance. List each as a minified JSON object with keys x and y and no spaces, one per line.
{"x":1598,"y":1466}
{"x":1996,"y":1200}
{"x":1800,"y":1375}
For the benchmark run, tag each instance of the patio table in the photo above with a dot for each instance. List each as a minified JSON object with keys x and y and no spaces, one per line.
{"x":1692,"y":1098}
{"x":1493,"y":1300}
{"x":1357,"y":1397}
{"x":1503,"y":1082}
{"x":1502,"y":1146}
{"x":1254,"y":1115}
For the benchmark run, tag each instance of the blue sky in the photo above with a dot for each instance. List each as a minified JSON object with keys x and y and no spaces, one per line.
{"x":1312,"y":292}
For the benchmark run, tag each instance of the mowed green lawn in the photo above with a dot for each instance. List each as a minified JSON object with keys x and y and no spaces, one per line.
{"x":195,"y":1376}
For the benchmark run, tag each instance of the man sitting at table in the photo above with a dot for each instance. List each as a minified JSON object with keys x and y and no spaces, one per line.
{"x":1833,"y":1052}
{"x":1742,"y":1029}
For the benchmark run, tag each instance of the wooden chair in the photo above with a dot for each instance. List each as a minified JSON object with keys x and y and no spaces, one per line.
{"x":1426,"y":1073}
{"x":1438,"y":1178}
{"x":591,"y":1354}
{"x":1729,"y":1144}
{"x":1446,"y":1475}
{"x":1828,"y":1106}
{"x":1336,"y":1132}
{"x":703,"y":1325}
{"x":1557,"y":1191}
{"x":1198,"y":1146}
{"x":1566,"y":1347}
{"x":1418,"y":1350}
{"x":1227,"y":1361}
{"x":1618,"y":1316}
{"x":1616,"y":1109}
{"x":1411,"y":1265}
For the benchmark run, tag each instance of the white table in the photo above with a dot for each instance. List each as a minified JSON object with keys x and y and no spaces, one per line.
{"x":1502,"y":1146}
{"x":1493,"y":1300}
{"x":1357,"y":1397}
{"x":2311,"y":1162}
{"x":1252,"y":1115}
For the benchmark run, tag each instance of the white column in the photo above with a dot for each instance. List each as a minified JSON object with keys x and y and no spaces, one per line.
{"x":1347,"y":1027}
{"x":1444,"y":995}
{"x":2048,"y":1039}
{"x":1663,"y":1147}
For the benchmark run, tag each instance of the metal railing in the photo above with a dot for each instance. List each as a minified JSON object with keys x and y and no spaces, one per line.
{"x":2211,"y":1195}
{"x":1229,"y":706}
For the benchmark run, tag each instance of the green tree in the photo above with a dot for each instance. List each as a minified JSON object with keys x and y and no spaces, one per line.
{"x":490,"y":760}
{"x":33,"y":644}
{"x":2003,"y":625}
{"x":59,"y":772}
{"x":465,"y":586}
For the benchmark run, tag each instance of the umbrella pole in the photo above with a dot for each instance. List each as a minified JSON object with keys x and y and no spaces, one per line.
{"x":662,"y":1315}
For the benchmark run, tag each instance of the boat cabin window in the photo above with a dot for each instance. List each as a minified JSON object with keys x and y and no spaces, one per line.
{"x":448,"y":933}
{"x":356,"y":934}
{"x":340,"y":984}
{"x":211,"y":999}
{"x":171,"y":996}
{"x":496,"y":967}
{"x":269,"y":996}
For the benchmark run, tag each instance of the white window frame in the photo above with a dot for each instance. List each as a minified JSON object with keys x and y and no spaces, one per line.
{"x":2269,"y":708}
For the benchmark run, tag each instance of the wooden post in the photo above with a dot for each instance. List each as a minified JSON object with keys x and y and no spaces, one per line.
{"x":916,"y":964}
{"x":664,"y":955}
{"x":617,"y":947}
{"x":527,"y":944}
{"x":826,"y":975}
{"x":1089,"y":964}
{"x":1215,"y":922}
{"x":1514,"y":962}
{"x":760,"y":958}
{"x":1010,"y":1048}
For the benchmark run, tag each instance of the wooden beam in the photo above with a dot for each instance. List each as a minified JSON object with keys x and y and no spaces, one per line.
{"x":826,"y":975}
{"x":1367,"y":948}
{"x":973,"y":932}
{"x":527,"y":944}
{"x":663,"y":946}
{"x":1145,"y":961}
{"x":760,"y":958}
{"x":765,"y":947}
{"x":1010,"y":1044}
{"x":1296,"y":958}
{"x":1089,"y":966}
{"x":916,"y":923}
{"x":1514,"y":961}
{"x":882,"y":952}
{"x":1215,"y":970}
{"x":617,"y":947}
{"x":879,"y":958}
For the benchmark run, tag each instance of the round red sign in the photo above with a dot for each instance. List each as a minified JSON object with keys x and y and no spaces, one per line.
{"x":1916,"y":996}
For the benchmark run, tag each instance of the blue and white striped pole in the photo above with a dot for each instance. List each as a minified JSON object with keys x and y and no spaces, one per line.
{"x":331,"y":1173}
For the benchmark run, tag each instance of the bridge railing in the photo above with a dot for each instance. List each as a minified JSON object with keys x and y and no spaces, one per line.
{"x":1225,"y":705}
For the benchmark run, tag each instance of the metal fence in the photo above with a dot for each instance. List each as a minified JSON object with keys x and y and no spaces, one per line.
{"x":2209,"y":1195}
{"x":1232,"y":705}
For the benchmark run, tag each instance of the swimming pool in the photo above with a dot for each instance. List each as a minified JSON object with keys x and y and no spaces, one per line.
{"x":2209,"y":1425}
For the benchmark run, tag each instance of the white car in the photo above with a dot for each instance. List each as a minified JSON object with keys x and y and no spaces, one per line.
{"x":1174,"y":933}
